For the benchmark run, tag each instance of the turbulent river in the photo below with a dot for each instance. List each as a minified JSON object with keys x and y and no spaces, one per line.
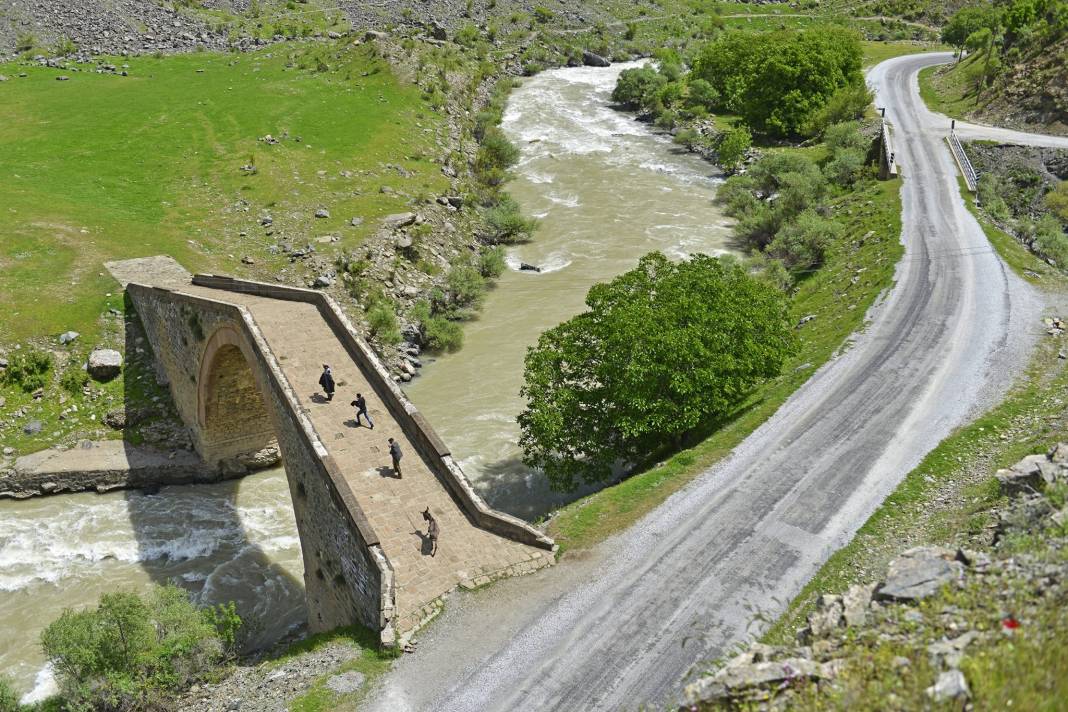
{"x":606,"y":189}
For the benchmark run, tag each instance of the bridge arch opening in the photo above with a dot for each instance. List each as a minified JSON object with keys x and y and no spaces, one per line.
{"x":233,"y":417}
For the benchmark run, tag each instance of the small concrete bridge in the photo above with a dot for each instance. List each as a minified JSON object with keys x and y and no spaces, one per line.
{"x":242,"y":360}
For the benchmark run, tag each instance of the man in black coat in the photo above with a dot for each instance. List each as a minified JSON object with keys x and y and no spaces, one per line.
{"x":327,"y":382}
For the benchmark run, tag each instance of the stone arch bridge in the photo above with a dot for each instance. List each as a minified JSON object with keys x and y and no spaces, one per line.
{"x":242,"y":360}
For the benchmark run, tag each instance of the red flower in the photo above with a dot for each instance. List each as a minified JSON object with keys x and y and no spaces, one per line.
{"x":1010,"y":623}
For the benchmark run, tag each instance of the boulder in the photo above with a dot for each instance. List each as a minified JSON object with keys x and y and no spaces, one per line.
{"x":523,"y":266}
{"x":115,"y":419}
{"x":33,"y":427}
{"x":949,"y":653}
{"x":827,"y":616}
{"x":104,"y":364}
{"x":855,"y":604}
{"x":919,"y":573}
{"x":398,"y":220}
{"x":742,"y":676}
{"x":322,"y":282}
{"x":594,"y":60}
{"x":950,"y":685}
{"x":322,"y":213}
{"x":346,"y":683}
{"x":68,"y":336}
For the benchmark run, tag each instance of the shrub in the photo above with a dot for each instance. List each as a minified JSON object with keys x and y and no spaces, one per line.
{"x":383,"y":322}
{"x":467,"y":35}
{"x":845,"y":135}
{"x":846,"y":104}
{"x":25,"y":42}
{"x":28,"y":370}
{"x":495,"y":156}
{"x":1051,"y":240}
{"x":845,"y":167}
{"x":989,"y":191}
{"x":64,"y":47}
{"x":9,"y":700}
{"x":701,"y":93}
{"x":1057,"y":201}
{"x":129,"y":650}
{"x":543,"y":14}
{"x":802,"y":243}
{"x":442,"y":334}
{"x":506,"y":223}
{"x":732,"y":146}
{"x":637,"y":88}
{"x":491,"y":262}
{"x":74,"y":379}
{"x":465,"y":285}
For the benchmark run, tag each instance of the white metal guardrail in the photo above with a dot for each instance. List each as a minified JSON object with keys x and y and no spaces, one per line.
{"x":971,"y":178}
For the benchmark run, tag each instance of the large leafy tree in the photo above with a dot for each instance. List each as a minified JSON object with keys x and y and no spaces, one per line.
{"x":663,"y":348}
{"x":778,"y":80}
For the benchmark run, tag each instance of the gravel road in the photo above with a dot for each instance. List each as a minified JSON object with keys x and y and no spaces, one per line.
{"x":626,"y":625}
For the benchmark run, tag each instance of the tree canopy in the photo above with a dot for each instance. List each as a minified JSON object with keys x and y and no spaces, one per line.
{"x":776,"y":81}
{"x":663,"y":348}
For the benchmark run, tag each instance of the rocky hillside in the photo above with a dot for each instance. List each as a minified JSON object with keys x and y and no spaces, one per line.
{"x":1015,"y":72}
{"x":148,"y":26}
{"x":963,"y":627}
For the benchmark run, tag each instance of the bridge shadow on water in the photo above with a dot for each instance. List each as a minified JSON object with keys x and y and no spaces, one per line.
{"x":232,"y":540}
{"x":510,"y":486}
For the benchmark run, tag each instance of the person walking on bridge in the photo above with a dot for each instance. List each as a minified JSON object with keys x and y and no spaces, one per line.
{"x":361,"y":409}
{"x":395,"y":453}
{"x":327,"y":382}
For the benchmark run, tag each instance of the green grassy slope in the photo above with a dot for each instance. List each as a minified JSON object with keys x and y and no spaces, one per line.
{"x":106,"y":167}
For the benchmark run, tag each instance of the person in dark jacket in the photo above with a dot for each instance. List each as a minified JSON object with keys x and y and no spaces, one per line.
{"x":395,"y":453}
{"x":432,"y":530}
{"x":327,"y":382}
{"x":360,"y":404}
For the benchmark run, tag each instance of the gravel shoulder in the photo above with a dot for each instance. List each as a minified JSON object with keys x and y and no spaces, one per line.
{"x":632,"y":623}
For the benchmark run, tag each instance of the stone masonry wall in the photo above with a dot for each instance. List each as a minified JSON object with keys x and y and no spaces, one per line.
{"x":404,"y":412}
{"x":347,"y":577}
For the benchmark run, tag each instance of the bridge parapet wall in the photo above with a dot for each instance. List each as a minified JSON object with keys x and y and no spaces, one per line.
{"x":348,"y":578}
{"x":403,"y":411}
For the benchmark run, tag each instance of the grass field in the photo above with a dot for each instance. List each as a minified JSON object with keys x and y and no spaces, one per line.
{"x":951,"y":91}
{"x":105,"y":167}
{"x":874,"y":208}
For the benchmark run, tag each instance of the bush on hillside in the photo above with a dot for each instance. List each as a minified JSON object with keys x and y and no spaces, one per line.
{"x":9,"y":700}
{"x":491,"y":262}
{"x":506,"y":224}
{"x":802,"y":243}
{"x":28,"y":370}
{"x":382,"y":320}
{"x":1057,"y":201}
{"x":662,"y":349}
{"x":637,"y":88}
{"x":845,"y":105}
{"x":1051,"y":240}
{"x":129,"y":651}
{"x":732,"y":147}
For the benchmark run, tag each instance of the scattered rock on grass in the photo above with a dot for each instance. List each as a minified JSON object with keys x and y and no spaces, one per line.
{"x":104,"y":364}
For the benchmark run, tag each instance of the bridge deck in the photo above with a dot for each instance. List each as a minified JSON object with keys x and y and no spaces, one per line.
{"x":302,"y":341}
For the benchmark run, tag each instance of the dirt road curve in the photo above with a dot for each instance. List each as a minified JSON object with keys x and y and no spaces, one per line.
{"x":627,"y":625}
